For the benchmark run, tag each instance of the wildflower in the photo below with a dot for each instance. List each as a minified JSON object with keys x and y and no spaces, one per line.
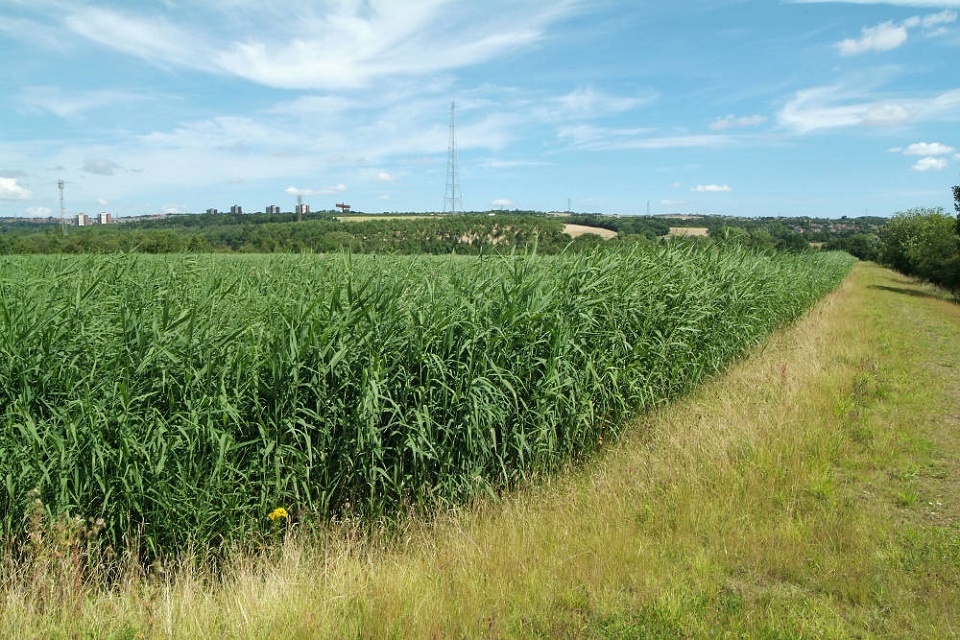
{"x":278,"y":514}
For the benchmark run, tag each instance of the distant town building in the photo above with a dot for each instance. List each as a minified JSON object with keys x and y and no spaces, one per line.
{"x":302,"y":208}
{"x":236,"y":209}
{"x":213,"y":211}
{"x":83,"y":220}
{"x":104,"y":218}
{"x":273,"y":209}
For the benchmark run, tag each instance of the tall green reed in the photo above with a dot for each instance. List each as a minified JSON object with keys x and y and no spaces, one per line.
{"x":181,"y":399}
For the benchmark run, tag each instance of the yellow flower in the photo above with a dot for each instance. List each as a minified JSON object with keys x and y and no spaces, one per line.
{"x":278,"y":514}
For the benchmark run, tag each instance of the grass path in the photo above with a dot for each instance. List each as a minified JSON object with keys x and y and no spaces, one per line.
{"x":813,"y":490}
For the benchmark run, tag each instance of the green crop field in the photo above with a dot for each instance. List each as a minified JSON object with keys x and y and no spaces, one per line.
{"x":182,"y":399}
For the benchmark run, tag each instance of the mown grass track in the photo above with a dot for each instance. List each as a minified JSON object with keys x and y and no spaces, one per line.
{"x":184,"y":398}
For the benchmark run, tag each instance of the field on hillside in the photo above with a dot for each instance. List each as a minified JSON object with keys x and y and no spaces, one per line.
{"x":180,"y":400}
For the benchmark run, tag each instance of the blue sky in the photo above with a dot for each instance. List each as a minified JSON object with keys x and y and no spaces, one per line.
{"x":716,"y":106}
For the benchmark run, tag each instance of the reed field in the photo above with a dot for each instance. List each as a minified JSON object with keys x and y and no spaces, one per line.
{"x":196,"y":402}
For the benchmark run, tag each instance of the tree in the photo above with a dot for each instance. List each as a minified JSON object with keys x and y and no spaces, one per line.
{"x":920,"y":242}
{"x":956,"y":205}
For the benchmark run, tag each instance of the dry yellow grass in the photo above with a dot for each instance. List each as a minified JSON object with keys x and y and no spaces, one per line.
{"x":679,"y":232}
{"x":773,"y":501}
{"x":576,"y":230}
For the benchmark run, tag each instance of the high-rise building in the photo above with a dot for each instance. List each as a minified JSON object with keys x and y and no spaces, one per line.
{"x":104,"y":218}
{"x":213,"y":211}
{"x":273,"y":209}
{"x":236,"y":209}
{"x":302,"y":208}
{"x":83,"y":220}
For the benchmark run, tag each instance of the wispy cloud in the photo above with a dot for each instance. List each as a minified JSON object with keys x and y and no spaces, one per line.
{"x":932,"y":20}
{"x":322,"y":191}
{"x":882,"y":37}
{"x":890,"y":35}
{"x":350,"y":44}
{"x":731,"y":121}
{"x":600,"y":138}
{"x":512,"y":164}
{"x":836,"y":106}
{"x":589,"y":103}
{"x":712,"y":188}
{"x":152,"y":38}
{"x":71,"y":105}
{"x":898,"y":3}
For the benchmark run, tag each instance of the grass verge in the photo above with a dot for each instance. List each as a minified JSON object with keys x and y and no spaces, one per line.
{"x":812,"y":490}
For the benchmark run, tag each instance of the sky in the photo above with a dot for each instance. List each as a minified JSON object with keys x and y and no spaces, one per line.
{"x":732,"y":107}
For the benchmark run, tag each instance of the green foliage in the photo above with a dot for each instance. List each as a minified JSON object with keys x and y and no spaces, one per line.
{"x":182,"y":399}
{"x":261,"y":233}
{"x":923,"y":243}
{"x":956,"y":205}
{"x":865,"y":246}
{"x":771,"y":238}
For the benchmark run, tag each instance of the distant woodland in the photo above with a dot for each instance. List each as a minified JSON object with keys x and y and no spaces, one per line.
{"x":433,"y":234}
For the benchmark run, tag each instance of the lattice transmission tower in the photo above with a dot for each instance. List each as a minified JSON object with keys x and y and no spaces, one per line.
{"x":452,"y":198}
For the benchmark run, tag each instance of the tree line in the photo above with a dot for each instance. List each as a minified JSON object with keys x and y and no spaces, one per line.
{"x":925,"y":243}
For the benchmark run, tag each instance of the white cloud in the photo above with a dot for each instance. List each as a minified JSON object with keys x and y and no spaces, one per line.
{"x":173,"y":209}
{"x":672,"y":203}
{"x":928,"y":164}
{"x":323,"y":191}
{"x":11,"y":190}
{"x":385,"y":176}
{"x":712,"y":188}
{"x":102,"y":202}
{"x":836,"y":106}
{"x":731,"y":121}
{"x":882,"y":37}
{"x":928,"y":149}
{"x":890,"y":35}
{"x":38,"y":212}
{"x":502,"y":203}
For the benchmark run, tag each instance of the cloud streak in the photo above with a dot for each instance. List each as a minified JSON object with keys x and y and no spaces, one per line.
{"x":350,"y":44}
{"x":834,"y":107}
